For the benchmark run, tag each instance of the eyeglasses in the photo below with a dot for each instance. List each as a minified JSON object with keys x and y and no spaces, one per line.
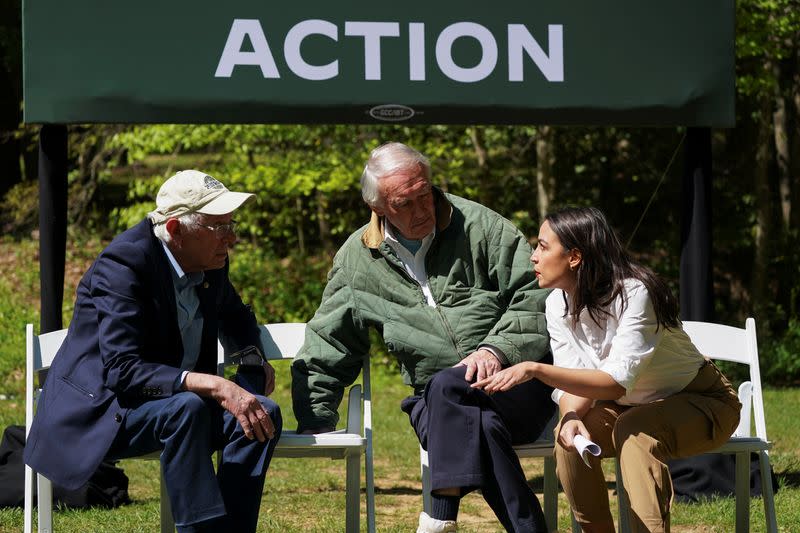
{"x":221,"y":230}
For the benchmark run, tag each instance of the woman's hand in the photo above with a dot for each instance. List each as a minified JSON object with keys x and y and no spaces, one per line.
{"x":571,"y":426}
{"x":508,"y":378}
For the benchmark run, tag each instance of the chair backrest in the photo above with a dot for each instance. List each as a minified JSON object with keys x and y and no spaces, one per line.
{"x":282,"y":341}
{"x":39,"y":353}
{"x":738,"y":345}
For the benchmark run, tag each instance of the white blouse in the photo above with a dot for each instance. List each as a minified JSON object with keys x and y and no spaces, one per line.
{"x":649,"y":364}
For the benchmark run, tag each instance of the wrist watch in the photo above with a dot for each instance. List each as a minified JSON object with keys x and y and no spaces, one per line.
{"x":250,"y":356}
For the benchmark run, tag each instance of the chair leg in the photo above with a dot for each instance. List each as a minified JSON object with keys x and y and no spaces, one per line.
{"x":28,"y":510}
{"x":623,"y":505}
{"x":766,"y":492}
{"x":45,"y":504}
{"x":742,"y":492}
{"x":576,"y":527}
{"x":425,"y":473}
{"x":550,"y":494}
{"x":370,"y":480}
{"x":353,"y":496}
{"x":167,"y":522}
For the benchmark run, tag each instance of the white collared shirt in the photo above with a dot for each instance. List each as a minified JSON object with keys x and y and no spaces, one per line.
{"x":413,"y":263}
{"x":649,"y":364}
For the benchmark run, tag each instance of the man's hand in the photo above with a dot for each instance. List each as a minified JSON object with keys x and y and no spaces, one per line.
{"x":571,"y":426}
{"x":255,"y":422}
{"x":248,"y":411}
{"x":508,"y":378}
{"x":480,"y":364}
{"x":269,"y":372}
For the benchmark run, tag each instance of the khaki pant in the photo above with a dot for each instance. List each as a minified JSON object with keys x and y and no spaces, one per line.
{"x":699,"y":418}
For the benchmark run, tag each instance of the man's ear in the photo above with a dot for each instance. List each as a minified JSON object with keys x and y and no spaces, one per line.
{"x":174,"y":228}
{"x":575,"y":258}
{"x":377,"y":210}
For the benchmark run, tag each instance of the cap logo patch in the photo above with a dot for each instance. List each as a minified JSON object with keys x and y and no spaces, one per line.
{"x":211,"y":183}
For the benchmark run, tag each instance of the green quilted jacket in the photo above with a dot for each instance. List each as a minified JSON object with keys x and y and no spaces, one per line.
{"x":481,"y":278}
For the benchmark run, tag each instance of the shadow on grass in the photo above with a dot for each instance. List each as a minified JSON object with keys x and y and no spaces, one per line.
{"x":789,"y":479}
{"x":537,"y":485}
{"x":399,"y":491}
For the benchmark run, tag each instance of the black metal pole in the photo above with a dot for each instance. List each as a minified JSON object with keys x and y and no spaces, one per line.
{"x":696,"y":282}
{"x":52,"y":223}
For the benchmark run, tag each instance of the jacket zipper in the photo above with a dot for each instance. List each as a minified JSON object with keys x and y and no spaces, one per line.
{"x":446,"y":324}
{"x":424,"y":300}
{"x":449,"y":331}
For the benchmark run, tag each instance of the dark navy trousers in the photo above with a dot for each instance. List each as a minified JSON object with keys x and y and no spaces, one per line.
{"x":469,"y":435}
{"x":188,"y":429}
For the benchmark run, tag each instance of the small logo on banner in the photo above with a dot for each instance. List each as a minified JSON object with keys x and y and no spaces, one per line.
{"x":391,"y":112}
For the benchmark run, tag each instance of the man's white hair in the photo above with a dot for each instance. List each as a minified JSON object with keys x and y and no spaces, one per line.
{"x":188,"y":220}
{"x":385,"y":160}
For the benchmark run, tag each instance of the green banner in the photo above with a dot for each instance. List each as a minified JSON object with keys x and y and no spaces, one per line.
{"x":637,"y":62}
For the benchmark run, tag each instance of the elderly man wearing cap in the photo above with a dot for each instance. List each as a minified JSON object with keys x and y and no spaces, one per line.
{"x":136,"y":372}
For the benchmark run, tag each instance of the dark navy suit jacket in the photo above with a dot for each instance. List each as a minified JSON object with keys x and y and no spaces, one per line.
{"x":124,"y":348}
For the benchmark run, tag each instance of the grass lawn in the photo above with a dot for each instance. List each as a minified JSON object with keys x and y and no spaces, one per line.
{"x":308,"y":494}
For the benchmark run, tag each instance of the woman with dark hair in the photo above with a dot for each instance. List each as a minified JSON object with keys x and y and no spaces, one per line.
{"x":627,"y":377}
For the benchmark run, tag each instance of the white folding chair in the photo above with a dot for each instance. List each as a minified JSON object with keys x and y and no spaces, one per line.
{"x":282,"y":342}
{"x":739,"y":345}
{"x":715,"y":341}
{"x":39,"y":353}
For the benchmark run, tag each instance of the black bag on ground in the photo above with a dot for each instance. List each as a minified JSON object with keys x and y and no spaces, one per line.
{"x":704,"y":476}
{"x":108,"y":486}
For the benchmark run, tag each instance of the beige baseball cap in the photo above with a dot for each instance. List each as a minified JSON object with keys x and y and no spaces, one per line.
{"x":192,"y":191}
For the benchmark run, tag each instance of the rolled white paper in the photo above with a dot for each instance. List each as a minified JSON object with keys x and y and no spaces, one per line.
{"x":585,"y":447}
